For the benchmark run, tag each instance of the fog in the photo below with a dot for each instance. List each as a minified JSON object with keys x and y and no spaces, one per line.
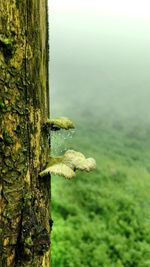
{"x":99,"y":58}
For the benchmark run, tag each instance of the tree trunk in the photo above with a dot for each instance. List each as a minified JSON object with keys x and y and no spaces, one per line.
{"x":24,"y":144}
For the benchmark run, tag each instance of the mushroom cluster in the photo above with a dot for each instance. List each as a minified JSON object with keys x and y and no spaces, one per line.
{"x":71,"y":161}
{"x":68,"y":164}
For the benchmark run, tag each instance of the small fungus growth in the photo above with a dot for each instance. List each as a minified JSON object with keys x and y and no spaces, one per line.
{"x":68,"y":164}
{"x":60,"y":123}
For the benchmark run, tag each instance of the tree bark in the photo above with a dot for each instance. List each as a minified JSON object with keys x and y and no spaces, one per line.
{"x":24,"y":144}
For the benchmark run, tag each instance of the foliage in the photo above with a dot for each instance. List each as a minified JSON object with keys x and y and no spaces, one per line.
{"x":102,"y":219}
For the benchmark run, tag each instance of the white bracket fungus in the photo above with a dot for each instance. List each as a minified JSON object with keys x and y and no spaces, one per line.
{"x":68,"y":164}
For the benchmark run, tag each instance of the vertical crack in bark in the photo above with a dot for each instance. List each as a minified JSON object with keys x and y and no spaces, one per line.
{"x":18,"y":244}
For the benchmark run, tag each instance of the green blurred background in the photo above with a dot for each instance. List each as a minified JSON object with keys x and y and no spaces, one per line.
{"x":99,"y":77}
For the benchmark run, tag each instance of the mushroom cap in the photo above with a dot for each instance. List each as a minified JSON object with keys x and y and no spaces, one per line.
{"x":61,"y":122}
{"x":76,"y":160}
{"x":59,"y":169}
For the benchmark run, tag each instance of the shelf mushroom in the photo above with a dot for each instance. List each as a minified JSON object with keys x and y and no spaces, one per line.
{"x":67,"y":165}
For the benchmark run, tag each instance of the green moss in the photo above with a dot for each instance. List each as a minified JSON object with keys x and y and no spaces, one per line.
{"x":27,"y":199}
{"x":34,"y":234}
{"x":7,"y":138}
{"x":2,"y":105}
{"x":18,"y":130}
{"x":28,"y":242}
{"x":6,"y":41}
{"x":7,"y":46}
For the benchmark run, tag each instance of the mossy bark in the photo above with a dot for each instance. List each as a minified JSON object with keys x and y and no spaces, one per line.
{"x":24,"y":145}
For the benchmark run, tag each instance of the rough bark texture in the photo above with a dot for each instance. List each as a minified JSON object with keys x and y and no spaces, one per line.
{"x":24,"y":144}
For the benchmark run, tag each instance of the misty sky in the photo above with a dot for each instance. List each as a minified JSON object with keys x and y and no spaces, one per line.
{"x":99,"y":56}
